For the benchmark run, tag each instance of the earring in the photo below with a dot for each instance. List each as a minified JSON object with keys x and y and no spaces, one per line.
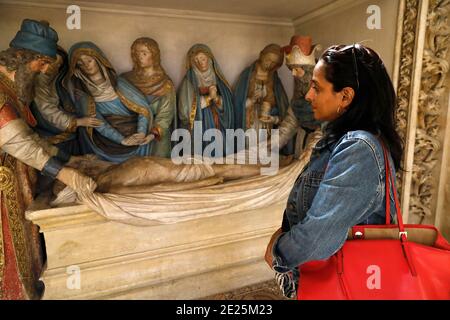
{"x":339,"y":110}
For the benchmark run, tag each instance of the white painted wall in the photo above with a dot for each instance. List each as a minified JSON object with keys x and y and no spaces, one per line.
{"x":234,"y":44}
{"x":348,"y":25}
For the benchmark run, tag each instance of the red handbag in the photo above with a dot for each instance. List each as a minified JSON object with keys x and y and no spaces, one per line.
{"x":382,"y":262}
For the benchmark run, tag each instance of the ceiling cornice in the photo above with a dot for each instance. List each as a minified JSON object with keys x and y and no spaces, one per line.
{"x":155,"y":12}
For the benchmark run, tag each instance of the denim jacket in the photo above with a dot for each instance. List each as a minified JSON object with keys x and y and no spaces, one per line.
{"x":342,"y":186}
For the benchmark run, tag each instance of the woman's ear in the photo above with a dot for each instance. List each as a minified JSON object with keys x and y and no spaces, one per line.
{"x":347,"y":97}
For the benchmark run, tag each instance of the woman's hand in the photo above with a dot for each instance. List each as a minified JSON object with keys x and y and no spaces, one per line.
{"x":133,"y":140}
{"x":138,"y":139}
{"x":213,"y":92}
{"x":259,"y":94}
{"x":269,"y":119}
{"x":139,"y":136}
{"x":90,"y":122}
{"x":147,"y":139}
{"x":268,"y":256}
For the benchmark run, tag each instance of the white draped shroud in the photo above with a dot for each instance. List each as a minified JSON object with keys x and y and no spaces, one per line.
{"x":200,"y":200}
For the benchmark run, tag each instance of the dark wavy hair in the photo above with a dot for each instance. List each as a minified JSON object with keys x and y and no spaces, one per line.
{"x":374,"y":104}
{"x":12,"y":58}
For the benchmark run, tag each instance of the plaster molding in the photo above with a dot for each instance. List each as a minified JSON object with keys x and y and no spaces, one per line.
{"x":154,"y":12}
{"x":163,"y":253}
{"x":329,"y":9}
{"x":61,"y":218}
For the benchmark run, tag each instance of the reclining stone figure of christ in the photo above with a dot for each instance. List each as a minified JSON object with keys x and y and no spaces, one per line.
{"x":149,"y":174}
{"x":150,"y":190}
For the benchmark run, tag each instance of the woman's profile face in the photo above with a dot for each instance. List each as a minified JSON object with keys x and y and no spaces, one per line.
{"x":144,"y":56}
{"x":88,"y":65}
{"x":324,"y":100}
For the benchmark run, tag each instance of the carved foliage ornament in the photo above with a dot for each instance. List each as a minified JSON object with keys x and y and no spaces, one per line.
{"x":428,"y":135}
{"x":428,"y":145}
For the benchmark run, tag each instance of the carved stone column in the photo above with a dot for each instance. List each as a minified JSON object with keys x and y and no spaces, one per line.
{"x":422,"y":65}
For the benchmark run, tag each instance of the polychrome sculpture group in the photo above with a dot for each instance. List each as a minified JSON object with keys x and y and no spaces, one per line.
{"x":57,"y":106}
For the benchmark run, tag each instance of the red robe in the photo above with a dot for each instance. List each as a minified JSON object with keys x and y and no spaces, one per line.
{"x":21,"y":257}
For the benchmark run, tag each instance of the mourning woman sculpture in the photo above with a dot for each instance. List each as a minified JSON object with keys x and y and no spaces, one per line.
{"x":126,"y":115}
{"x":204,"y":94}
{"x":54,"y":110}
{"x":149,"y":76}
{"x":259,"y":93}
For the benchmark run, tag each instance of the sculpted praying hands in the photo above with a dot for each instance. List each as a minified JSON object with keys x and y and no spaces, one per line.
{"x":213,"y":93}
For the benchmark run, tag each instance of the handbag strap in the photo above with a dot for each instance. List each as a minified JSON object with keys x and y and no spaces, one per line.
{"x":387,"y":184}
{"x":390,"y":182}
{"x":402,"y":233}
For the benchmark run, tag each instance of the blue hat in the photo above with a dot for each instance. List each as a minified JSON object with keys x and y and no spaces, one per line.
{"x":37,"y":37}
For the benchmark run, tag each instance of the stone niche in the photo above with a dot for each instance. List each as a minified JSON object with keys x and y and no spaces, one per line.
{"x":90,"y":257}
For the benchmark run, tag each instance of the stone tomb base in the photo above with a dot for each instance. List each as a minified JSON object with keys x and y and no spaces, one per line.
{"x":89,"y":257}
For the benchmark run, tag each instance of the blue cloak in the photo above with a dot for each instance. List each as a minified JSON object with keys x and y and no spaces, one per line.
{"x":189,"y":98}
{"x":240,"y":97}
{"x":130,"y":102}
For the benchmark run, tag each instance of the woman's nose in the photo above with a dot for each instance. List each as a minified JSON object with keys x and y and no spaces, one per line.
{"x":309,"y":95}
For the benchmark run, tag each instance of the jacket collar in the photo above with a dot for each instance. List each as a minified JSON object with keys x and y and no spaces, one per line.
{"x":327,"y":140}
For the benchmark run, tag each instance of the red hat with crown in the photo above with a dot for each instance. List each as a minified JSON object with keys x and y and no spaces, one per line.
{"x":300,"y":51}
